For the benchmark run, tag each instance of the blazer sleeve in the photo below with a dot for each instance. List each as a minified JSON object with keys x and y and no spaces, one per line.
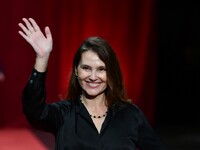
{"x":148,"y":140}
{"x":39,"y":114}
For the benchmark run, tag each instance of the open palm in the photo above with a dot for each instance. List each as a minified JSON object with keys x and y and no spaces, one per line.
{"x":42,"y":44}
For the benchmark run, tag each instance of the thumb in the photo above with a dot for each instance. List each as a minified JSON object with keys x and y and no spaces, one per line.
{"x":48,"y":33}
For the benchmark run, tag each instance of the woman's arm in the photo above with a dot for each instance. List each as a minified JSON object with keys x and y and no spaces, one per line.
{"x":38,"y":113}
{"x":148,"y":140}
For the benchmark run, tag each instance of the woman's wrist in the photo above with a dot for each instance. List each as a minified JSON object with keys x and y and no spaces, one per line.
{"x":41,"y":63}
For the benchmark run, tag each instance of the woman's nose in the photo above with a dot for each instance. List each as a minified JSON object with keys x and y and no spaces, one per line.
{"x":93,"y":75}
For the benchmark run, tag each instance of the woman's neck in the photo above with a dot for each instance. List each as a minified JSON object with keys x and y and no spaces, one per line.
{"x":94,"y":103}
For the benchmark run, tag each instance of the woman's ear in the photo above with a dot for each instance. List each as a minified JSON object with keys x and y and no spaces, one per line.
{"x":76,"y":72}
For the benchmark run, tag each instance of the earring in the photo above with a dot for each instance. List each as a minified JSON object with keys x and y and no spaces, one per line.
{"x":76,"y":75}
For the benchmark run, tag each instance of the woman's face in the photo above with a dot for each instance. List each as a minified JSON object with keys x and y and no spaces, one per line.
{"x":91,"y":73}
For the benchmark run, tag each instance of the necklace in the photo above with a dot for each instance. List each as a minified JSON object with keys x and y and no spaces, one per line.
{"x":94,"y":116}
{"x":98,"y":117}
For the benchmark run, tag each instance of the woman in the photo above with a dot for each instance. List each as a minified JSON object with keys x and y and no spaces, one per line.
{"x":95,"y":114}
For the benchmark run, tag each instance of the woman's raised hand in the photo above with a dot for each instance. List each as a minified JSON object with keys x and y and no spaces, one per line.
{"x":42,"y":44}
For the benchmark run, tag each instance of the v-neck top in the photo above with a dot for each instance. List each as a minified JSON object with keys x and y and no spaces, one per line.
{"x":125,"y":127}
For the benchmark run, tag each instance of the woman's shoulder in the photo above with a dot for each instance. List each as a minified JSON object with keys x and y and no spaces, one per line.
{"x":63,"y":104}
{"x":63,"y":107}
{"x":133,"y":108}
{"x":129,"y":105}
{"x":129,"y":112}
{"x":127,"y":108}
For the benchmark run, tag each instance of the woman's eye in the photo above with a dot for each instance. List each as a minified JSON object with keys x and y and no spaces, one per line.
{"x":102,"y":69}
{"x":85,"y":68}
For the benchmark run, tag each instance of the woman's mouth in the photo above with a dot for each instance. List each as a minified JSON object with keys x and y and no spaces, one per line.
{"x":93,"y":84}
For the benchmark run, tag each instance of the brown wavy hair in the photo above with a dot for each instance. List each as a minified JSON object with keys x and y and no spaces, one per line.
{"x":115,"y":92}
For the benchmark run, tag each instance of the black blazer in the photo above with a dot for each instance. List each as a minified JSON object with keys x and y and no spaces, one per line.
{"x":125,"y":126}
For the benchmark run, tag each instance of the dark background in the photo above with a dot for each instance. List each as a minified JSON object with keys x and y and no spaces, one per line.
{"x":178,"y":85}
{"x":178,"y":82}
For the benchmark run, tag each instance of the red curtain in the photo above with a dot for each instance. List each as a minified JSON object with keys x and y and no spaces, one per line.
{"x":127,"y":25}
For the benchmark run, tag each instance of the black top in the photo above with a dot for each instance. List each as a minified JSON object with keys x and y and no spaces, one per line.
{"x":124,"y":128}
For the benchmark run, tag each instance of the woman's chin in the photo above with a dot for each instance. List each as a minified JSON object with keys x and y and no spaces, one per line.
{"x":91,"y":95}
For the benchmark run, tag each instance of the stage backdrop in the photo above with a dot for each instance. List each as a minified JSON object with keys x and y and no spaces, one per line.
{"x":128,"y":25}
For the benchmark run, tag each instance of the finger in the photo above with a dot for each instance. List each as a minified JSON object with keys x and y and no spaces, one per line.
{"x":28,"y":25}
{"x":26,"y":31}
{"x":35,"y":26}
{"x":23,"y":35}
{"x":48,"y":33}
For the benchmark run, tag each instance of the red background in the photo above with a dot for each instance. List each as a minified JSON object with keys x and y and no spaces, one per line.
{"x":128,"y":25}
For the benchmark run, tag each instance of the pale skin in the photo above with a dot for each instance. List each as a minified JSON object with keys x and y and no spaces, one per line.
{"x":93,"y":79}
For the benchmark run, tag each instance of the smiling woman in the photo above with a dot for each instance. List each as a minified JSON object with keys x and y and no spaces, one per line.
{"x":96,"y":113}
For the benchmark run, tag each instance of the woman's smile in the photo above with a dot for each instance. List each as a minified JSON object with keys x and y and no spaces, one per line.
{"x":93,"y":84}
